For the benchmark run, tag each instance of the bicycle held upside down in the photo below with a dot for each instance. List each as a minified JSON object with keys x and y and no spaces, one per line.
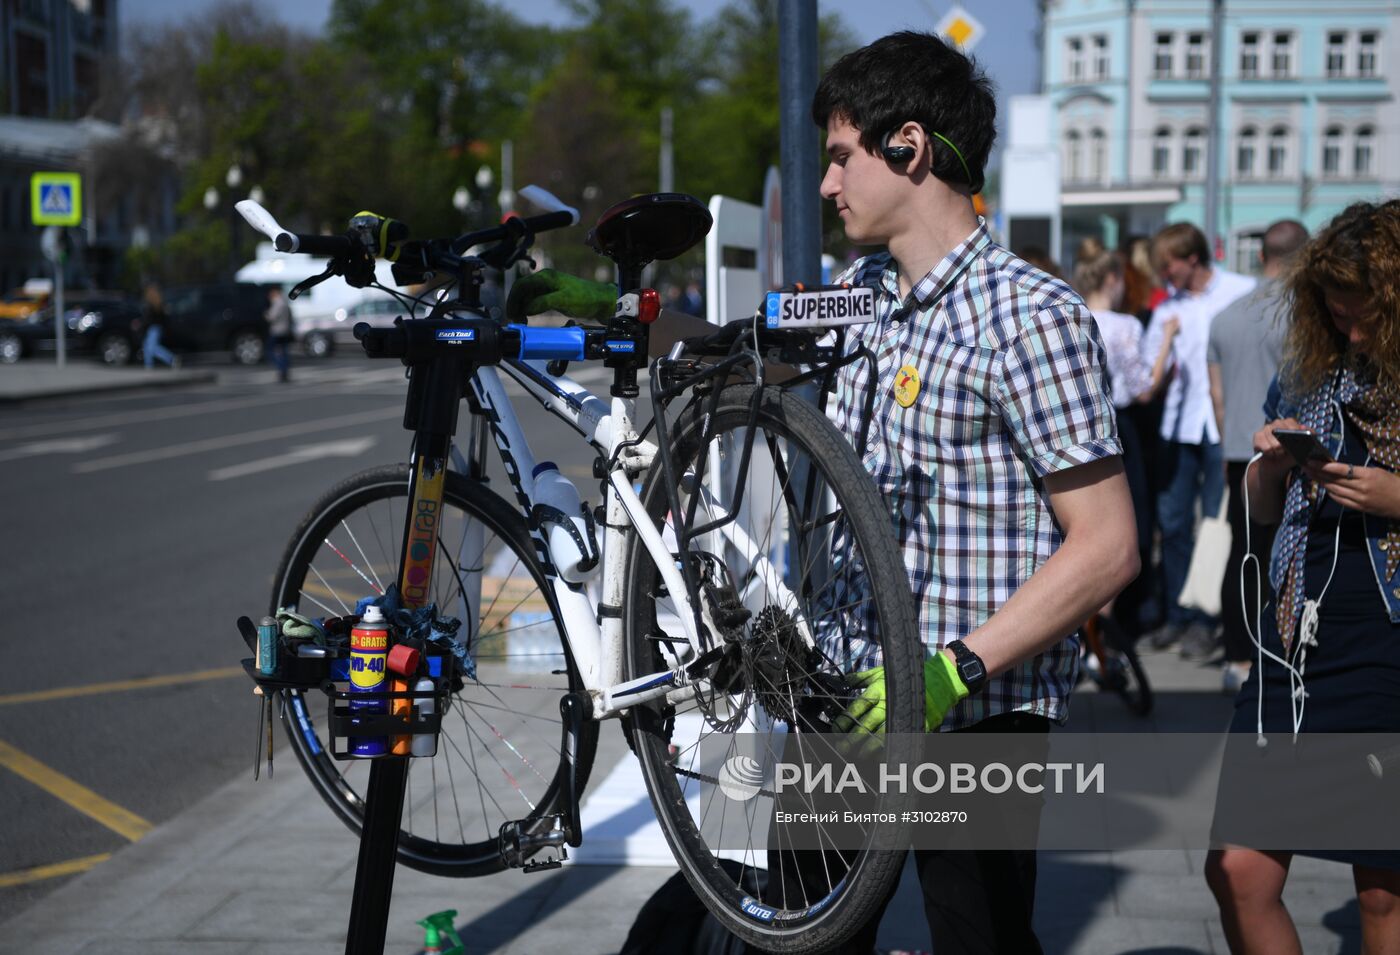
{"x":740,"y":559}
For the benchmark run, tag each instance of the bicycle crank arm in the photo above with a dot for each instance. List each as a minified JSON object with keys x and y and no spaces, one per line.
{"x":515,"y":844}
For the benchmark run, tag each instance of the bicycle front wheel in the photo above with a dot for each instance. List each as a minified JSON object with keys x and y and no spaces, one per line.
{"x":499,"y":757}
{"x":804,"y":586}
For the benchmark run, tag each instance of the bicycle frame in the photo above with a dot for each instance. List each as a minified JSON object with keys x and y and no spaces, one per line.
{"x":610,"y":429}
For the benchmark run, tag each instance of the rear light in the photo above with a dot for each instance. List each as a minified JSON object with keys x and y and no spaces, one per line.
{"x":648,"y":305}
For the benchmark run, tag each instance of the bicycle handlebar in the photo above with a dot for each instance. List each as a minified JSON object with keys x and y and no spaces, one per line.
{"x":559,"y":216}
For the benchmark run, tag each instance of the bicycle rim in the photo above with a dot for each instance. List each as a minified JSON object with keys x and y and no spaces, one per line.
{"x":499,"y":753}
{"x":812,"y":511}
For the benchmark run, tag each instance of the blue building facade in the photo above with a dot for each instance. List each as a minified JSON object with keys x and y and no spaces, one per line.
{"x":1308,"y":121}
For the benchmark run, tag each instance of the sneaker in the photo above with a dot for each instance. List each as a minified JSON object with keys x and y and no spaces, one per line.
{"x":1164,"y":636}
{"x":1199,"y":642}
{"x":1234,"y":676}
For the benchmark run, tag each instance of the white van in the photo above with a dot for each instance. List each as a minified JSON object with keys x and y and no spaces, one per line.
{"x":325,"y":314}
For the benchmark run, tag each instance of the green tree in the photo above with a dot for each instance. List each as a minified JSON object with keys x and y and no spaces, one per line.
{"x":732,"y":136}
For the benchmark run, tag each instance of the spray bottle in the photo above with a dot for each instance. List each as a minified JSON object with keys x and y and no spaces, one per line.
{"x":435,"y":927}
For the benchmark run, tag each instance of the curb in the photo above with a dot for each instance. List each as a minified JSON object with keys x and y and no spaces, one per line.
{"x":22,"y":395}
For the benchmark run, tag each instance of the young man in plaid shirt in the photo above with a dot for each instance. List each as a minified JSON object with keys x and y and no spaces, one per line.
{"x":993,"y":439}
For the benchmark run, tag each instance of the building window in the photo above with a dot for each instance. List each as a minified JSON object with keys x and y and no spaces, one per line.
{"x":1366,"y":46}
{"x":1336,"y":54}
{"x":1282,"y":60}
{"x":1247,"y":153}
{"x":1363,"y":152}
{"x":1248,"y":246}
{"x":1074,"y":156}
{"x":1249,"y":56}
{"x":1191,"y":153}
{"x":1098,"y":155}
{"x":1332,"y":152}
{"x":32,"y":75}
{"x":1195,"y":56}
{"x":1074,"y":59}
{"x":1278,"y":152}
{"x":1162,"y":60}
{"x":1161,"y":151}
{"x":1101,"y":62}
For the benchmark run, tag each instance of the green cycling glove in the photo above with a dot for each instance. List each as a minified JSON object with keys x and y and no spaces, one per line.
{"x":943,"y":689}
{"x":549,"y":290}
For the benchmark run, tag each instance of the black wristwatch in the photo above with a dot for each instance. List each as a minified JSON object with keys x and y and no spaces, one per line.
{"x":970,"y":667}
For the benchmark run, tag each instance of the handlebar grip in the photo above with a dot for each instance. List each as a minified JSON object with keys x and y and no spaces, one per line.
{"x":329,"y":246}
{"x":552,"y":220}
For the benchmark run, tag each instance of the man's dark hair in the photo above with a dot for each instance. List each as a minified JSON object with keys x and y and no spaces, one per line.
{"x":1283,"y":239}
{"x":915,"y":77}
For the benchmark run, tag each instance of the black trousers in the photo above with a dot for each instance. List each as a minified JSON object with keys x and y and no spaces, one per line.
{"x":977,"y":901}
{"x":1233,"y":609}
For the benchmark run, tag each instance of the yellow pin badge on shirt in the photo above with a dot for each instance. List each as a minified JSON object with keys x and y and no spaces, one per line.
{"x":906,"y":385}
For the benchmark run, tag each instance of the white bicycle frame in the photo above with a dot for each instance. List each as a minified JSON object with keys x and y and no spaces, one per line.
{"x":597,"y":647}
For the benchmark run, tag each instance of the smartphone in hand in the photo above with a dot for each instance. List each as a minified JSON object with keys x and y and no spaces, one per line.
{"x":1304,"y":446}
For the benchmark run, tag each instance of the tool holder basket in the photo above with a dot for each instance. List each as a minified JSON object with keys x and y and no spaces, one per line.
{"x":330,"y":670}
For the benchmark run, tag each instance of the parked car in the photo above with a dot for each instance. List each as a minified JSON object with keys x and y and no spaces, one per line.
{"x":199,"y":318}
{"x":215,"y":317}
{"x":319,"y":336}
{"x":22,"y":302}
{"x":101,"y":323}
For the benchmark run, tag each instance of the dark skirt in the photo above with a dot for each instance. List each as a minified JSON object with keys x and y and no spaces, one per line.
{"x":1352,"y":676}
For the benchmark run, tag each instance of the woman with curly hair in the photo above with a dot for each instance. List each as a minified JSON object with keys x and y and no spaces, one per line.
{"x":1336,"y":559}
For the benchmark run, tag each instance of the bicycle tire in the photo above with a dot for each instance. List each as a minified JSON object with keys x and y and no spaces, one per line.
{"x":347,"y":546}
{"x":803,"y":443}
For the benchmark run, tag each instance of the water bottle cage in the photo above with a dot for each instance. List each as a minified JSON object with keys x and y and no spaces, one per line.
{"x":543,"y":514}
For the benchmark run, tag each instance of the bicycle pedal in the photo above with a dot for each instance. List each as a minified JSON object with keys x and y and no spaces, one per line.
{"x":547,"y":864}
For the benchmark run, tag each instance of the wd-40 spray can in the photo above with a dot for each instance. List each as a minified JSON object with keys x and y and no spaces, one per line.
{"x":369,"y":654}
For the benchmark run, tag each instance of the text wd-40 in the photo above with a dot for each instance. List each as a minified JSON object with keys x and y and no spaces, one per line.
{"x":369,"y":656}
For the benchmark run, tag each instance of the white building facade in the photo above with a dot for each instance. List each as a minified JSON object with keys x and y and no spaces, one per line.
{"x":1309,"y":118}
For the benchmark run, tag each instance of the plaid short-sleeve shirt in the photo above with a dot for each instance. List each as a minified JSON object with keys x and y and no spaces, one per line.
{"x":1009,"y":383}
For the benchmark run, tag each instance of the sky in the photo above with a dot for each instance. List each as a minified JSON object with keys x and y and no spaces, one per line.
{"x":1007,"y":50}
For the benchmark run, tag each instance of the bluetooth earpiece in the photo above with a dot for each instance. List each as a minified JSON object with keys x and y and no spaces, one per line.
{"x":895,"y":153}
{"x":899,"y":154}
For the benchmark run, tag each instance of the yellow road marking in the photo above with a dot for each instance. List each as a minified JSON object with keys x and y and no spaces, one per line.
{"x":39,"y":873}
{"x":121,"y":821}
{"x":118,"y":686}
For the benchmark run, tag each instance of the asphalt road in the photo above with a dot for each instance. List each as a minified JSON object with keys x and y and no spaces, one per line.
{"x":137,"y":528}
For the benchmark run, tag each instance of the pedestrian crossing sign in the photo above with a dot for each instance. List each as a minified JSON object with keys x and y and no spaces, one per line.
{"x":56,"y":198}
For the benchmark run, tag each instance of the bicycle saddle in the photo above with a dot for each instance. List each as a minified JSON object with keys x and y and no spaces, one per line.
{"x":650,"y":228}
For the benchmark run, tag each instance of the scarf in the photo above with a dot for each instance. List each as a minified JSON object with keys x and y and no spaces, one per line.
{"x":1374,"y":411}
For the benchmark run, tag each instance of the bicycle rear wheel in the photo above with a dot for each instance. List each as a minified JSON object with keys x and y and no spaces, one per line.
{"x":822,"y":561}
{"x":499,"y":755}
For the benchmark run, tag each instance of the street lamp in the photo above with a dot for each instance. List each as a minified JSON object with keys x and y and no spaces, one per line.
{"x":211,"y":198}
{"x":461,"y":199}
{"x":484,"y":178}
{"x":256,"y":194}
{"x":233,"y":179}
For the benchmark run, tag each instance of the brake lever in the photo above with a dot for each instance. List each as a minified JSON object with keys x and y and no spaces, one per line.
{"x":314,"y":281}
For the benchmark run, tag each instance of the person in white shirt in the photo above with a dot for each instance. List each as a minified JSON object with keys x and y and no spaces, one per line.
{"x":1192,"y":465}
{"x":1099,"y":277}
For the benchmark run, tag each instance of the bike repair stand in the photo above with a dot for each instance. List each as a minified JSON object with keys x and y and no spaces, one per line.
{"x":434,"y":395}
{"x":436,"y":384}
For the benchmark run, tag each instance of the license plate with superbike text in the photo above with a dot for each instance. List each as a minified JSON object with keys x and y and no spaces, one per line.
{"x":822,"y":307}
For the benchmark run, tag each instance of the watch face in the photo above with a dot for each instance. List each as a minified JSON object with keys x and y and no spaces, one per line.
{"x":973,"y":672}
